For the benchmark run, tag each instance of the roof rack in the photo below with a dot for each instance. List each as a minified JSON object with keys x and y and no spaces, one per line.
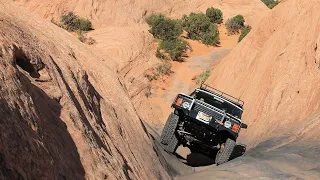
{"x":222,"y":94}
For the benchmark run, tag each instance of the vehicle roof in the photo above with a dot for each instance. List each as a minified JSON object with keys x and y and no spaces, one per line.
{"x":240,"y":106}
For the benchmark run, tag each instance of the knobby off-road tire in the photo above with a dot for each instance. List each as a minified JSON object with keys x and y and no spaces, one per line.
{"x":168,"y":137}
{"x":225,"y":151}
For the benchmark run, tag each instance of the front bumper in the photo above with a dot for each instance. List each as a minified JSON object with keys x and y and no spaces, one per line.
{"x":211,"y":128}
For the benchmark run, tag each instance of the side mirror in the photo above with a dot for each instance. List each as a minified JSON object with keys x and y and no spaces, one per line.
{"x":244,"y":126}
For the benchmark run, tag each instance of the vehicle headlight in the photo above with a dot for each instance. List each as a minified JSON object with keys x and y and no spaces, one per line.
{"x":227,"y":124}
{"x":186,"y":105}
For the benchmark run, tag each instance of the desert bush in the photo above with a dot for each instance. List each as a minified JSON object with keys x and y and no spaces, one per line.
{"x":239,"y":19}
{"x":196,"y":25}
{"x":199,"y":27}
{"x":72,"y":22}
{"x":270,"y":3}
{"x":69,"y":21}
{"x":203,"y":77}
{"x":244,"y":32}
{"x":161,"y":55}
{"x":81,"y":36}
{"x":176,"y":48}
{"x":215,"y":15}
{"x":91,"y":41}
{"x":163,"y":27}
{"x":148,"y":91}
{"x":84,"y":24}
{"x":157,"y":71}
{"x":164,"y":68}
{"x":153,"y":18}
{"x":233,"y":27}
{"x":235,"y":24}
{"x":150,"y":77}
{"x":168,"y":31}
{"x":184,"y":20}
{"x":212,"y":36}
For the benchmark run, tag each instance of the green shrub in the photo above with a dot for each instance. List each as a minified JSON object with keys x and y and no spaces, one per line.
{"x":153,"y":18}
{"x":184,"y":20}
{"x":239,"y":19}
{"x":232,"y":27}
{"x":215,"y":15}
{"x":199,"y":27}
{"x":163,"y":27}
{"x":211,"y":37}
{"x":69,"y":21}
{"x":203,"y":77}
{"x":148,"y":76}
{"x":161,"y":55}
{"x":235,"y":24}
{"x":164,"y":68}
{"x":175,"y":48}
{"x":196,"y":25}
{"x":84,"y":24}
{"x":81,"y":37}
{"x":72,"y":22}
{"x":154,"y":73}
{"x":270,"y":3}
{"x":244,"y":32}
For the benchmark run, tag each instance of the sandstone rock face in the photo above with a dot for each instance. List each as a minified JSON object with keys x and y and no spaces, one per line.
{"x":122,"y":34}
{"x":275,"y":70}
{"x":64,"y":113}
{"x":132,"y":12}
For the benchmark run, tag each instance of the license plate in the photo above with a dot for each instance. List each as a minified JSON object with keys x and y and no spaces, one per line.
{"x":203,"y":116}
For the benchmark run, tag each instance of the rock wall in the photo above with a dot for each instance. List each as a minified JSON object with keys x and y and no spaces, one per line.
{"x":275,"y":70}
{"x":123,"y":36}
{"x":64,"y":113}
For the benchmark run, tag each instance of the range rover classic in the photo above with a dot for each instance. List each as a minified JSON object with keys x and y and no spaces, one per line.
{"x":208,"y":120}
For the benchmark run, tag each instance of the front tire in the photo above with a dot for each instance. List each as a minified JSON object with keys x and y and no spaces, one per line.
{"x":225,"y":151}
{"x":168,"y":137}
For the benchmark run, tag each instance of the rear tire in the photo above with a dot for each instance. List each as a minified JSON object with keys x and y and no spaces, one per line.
{"x":225,"y":151}
{"x":168,"y":137}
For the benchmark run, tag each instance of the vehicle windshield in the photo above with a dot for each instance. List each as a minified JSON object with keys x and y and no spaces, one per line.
{"x":218,"y":103}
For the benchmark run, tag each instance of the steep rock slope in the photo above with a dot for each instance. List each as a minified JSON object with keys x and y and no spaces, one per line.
{"x":122,"y":34}
{"x":282,"y":157}
{"x":128,"y":12}
{"x":64,"y":113}
{"x":275,"y":70}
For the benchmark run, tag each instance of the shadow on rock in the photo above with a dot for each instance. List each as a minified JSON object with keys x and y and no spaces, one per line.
{"x":238,"y":151}
{"x":197,"y":159}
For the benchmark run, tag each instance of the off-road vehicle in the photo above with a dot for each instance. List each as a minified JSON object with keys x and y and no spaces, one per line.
{"x":207,"y":121}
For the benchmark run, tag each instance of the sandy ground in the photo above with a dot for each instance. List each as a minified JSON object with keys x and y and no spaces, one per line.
{"x":182,"y":80}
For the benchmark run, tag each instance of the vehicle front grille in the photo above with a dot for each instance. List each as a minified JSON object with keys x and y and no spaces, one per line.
{"x":212,"y":112}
